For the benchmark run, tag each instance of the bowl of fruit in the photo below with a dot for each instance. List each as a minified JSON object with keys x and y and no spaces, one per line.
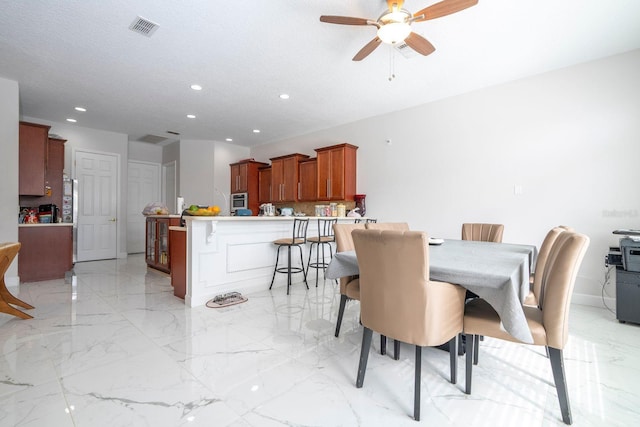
{"x":196,"y":210}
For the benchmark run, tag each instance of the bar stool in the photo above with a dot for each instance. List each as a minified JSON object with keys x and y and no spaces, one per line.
{"x":324,"y":238}
{"x":298,"y":239}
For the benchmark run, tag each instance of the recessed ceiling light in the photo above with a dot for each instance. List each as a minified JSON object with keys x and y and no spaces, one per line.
{"x":72,"y":120}
{"x":82,"y":109}
{"x":229,"y":139}
{"x":191,"y":116}
{"x":284,"y":96}
{"x":256,"y":131}
{"x":196,"y":87}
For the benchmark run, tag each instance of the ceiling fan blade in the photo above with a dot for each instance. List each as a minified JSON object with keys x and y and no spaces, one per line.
{"x":367,"y":49}
{"x":419,"y":44}
{"x":443,"y":8}
{"x":344,"y":20}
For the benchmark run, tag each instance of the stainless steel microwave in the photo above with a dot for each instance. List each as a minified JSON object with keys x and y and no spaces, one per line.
{"x":239,"y":201}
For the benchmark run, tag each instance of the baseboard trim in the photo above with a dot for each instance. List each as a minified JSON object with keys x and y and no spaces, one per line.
{"x":594,"y":301}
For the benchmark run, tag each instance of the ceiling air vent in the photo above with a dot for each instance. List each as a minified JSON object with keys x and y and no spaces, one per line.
{"x":143,"y":26}
{"x":405,"y":50}
{"x":152,"y":139}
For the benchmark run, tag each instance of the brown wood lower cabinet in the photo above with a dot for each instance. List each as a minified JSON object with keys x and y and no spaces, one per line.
{"x":46,"y":252}
{"x":178,"y":256}
{"x":157,"y":246}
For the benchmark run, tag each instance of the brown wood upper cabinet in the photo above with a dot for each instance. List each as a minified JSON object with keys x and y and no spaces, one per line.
{"x":32,"y":163}
{"x":284,"y":177}
{"x":244,"y":176}
{"x":336,"y":172}
{"x":307,"y":186}
{"x":264,"y":184}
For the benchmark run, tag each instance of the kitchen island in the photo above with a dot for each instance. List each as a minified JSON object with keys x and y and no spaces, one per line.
{"x":236,"y":253}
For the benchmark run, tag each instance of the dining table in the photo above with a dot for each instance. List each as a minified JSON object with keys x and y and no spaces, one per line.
{"x":497,"y":272}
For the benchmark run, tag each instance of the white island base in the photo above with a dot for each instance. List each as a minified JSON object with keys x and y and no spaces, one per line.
{"x":237,"y":254}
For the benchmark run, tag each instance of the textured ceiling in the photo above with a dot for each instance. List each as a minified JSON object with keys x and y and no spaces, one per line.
{"x":245,"y":53}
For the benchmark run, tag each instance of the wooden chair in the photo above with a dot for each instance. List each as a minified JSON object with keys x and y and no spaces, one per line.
{"x":398,"y":300}
{"x":8,"y":252}
{"x":548,"y":323}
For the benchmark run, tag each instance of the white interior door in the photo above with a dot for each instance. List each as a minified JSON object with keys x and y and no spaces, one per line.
{"x":97,"y":175}
{"x":143,"y":187}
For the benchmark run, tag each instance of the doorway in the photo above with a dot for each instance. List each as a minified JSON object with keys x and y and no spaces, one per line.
{"x":98,"y":176}
{"x":143,"y":187}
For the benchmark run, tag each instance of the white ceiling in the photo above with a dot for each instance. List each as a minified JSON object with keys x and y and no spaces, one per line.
{"x":246,"y":53}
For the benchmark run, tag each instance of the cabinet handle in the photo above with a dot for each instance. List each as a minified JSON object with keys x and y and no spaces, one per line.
{"x":328,"y":190}
{"x":298,"y":190}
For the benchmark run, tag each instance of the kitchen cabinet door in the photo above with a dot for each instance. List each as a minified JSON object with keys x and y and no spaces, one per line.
{"x":239,"y":172}
{"x":284,"y":177}
{"x":307,"y":186}
{"x":32,"y":159}
{"x":264,"y":185}
{"x":336,"y":172}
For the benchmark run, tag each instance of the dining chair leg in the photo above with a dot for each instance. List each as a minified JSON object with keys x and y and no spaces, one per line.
{"x":343,"y":303}
{"x":416,"y":391}
{"x":461,"y":344}
{"x":453,"y":359}
{"x":364,"y":355}
{"x":396,"y":349}
{"x":557,"y":366}
{"x":468,"y":362}
{"x":383,"y":345}
{"x":476,"y":348}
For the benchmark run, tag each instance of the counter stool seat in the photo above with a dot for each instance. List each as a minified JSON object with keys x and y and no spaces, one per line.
{"x":298,"y":238}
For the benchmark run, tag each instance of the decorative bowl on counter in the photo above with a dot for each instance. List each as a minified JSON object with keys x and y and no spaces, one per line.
{"x":203,"y":211}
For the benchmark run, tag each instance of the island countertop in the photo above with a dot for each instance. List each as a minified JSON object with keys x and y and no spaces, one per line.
{"x":267,"y":218}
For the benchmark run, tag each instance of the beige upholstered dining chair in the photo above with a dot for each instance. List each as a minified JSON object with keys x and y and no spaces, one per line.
{"x":349,"y":286}
{"x":398,"y":226}
{"x":398,"y":300}
{"x":535,"y":293}
{"x":548,"y":324}
{"x":482,"y":232}
{"x":8,"y":252}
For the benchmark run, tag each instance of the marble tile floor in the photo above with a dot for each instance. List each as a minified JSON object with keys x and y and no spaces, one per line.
{"x":118,"y":349}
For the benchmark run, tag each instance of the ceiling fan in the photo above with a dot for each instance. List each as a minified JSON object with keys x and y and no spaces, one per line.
{"x":394,"y":25}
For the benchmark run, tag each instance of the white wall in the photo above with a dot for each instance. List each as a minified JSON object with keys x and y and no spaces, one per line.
{"x":9,"y":204}
{"x":570,"y":138}
{"x":81,"y":138}
{"x":145,"y":152}
{"x":204,"y":171}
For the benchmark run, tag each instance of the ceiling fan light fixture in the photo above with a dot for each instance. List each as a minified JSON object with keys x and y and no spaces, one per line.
{"x":394,"y":32}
